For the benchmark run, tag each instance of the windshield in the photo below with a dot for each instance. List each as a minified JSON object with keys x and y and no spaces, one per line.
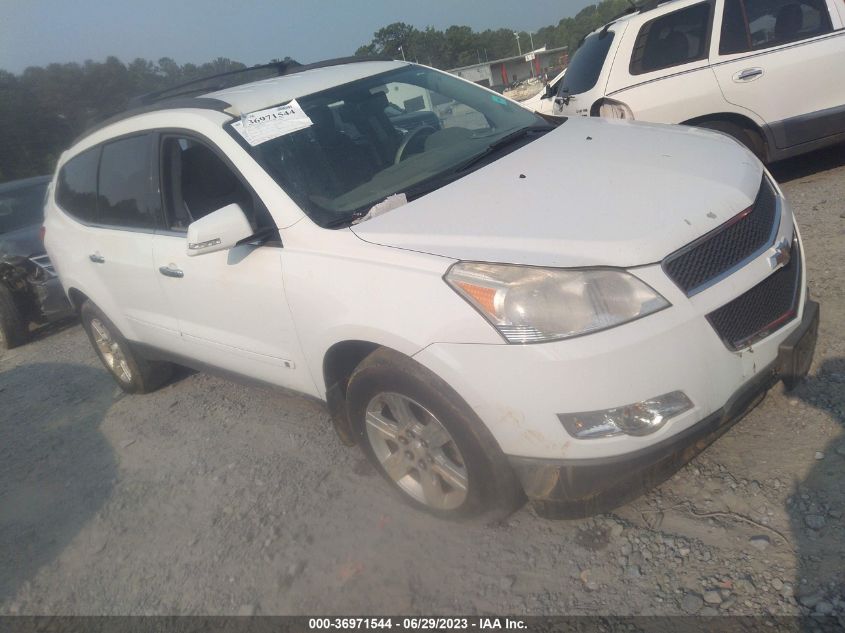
{"x":386,"y":134}
{"x":584,"y":69}
{"x":22,"y":207}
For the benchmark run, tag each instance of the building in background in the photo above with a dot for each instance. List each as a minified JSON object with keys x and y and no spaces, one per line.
{"x":498,"y":74}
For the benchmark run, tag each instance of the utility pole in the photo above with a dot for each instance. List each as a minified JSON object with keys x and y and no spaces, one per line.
{"x":516,"y":35}
{"x":402,"y":50}
{"x":531,"y":35}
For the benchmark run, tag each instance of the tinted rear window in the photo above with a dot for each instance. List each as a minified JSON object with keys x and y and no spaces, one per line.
{"x":586,"y":64}
{"x":755,"y":24}
{"x":76,"y":192}
{"x":125,"y":184}
{"x":673,"y":39}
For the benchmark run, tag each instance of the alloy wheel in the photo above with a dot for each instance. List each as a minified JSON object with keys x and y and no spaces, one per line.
{"x":110,"y":351}
{"x":416,"y":451}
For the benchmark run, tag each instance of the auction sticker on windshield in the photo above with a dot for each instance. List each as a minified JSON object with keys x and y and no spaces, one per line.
{"x":265,"y":125}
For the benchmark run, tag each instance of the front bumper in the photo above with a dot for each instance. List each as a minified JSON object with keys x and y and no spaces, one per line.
{"x":587,"y":486}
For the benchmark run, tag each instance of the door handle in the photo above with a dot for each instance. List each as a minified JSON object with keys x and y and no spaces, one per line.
{"x":170,"y":271}
{"x":97,"y":258}
{"x":748,"y":74}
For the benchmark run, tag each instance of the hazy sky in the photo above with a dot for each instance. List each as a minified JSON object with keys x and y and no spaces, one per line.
{"x":37,"y":32}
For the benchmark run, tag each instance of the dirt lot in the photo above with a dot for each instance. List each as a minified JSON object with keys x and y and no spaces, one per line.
{"x":211,"y":497}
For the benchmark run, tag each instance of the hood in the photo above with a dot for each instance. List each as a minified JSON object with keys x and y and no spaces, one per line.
{"x":23,"y":242}
{"x":592,"y":192}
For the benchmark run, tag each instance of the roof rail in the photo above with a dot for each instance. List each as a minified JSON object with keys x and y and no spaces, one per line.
{"x":181,"y":90}
{"x":198,"y":86}
{"x":201,"y":103}
{"x":189,"y":94}
{"x":643,"y":7}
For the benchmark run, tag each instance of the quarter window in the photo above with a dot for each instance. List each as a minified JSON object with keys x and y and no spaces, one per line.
{"x":126,"y":198}
{"x":673,"y":39}
{"x":76,"y":191}
{"x":754,"y":24}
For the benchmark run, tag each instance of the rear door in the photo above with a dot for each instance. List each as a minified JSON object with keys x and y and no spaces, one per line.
{"x":231,"y":305}
{"x":783,"y":61}
{"x":110,"y":196}
{"x":662,"y":69}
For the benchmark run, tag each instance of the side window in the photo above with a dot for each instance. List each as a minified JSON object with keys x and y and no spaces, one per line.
{"x":755,"y":24}
{"x":196,"y":182}
{"x":76,"y":191}
{"x":125,"y":184}
{"x":672,"y":39}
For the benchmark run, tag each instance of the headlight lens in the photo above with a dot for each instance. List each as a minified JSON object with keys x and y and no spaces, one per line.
{"x":610,"y":109}
{"x":531,"y":305}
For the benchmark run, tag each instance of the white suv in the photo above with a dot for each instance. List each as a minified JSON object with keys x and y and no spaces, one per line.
{"x":478,"y":334}
{"x":769,"y":73}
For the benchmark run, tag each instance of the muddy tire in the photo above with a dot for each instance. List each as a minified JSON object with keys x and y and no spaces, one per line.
{"x":13,"y":327}
{"x":427,"y":443}
{"x":130,"y":371}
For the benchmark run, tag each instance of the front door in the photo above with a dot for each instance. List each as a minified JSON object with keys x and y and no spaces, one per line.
{"x":230,"y":305}
{"x":782,"y":60}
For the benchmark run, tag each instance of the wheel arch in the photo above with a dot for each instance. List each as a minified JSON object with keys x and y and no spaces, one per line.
{"x":339,"y":361}
{"x":737,"y":119}
{"x":76,"y":298}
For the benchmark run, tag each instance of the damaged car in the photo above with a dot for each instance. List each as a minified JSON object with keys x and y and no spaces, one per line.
{"x":30,"y":292}
{"x":482,"y":335}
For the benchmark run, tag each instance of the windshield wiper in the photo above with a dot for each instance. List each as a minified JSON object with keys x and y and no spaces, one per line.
{"x":495,"y":146}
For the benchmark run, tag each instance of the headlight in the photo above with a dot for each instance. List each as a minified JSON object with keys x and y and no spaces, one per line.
{"x":610,"y":109}
{"x":531,"y":305}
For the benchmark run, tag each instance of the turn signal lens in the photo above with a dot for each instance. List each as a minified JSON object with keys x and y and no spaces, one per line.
{"x":484,"y":297}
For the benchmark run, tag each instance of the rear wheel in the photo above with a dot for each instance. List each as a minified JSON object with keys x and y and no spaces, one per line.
{"x":426,"y":442}
{"x":749,"y":138}
{"x":132,"y":373}
{"x":13,"y":327}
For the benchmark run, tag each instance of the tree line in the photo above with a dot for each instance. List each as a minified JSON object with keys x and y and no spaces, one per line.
{"x":43,"y":109}
{"x":459,"y":46}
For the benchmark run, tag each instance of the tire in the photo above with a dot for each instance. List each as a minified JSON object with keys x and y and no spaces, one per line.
{"x":130,"y":371}
{"x":387,"y":381}
{"x":13,"y":327}
{"x":743,"y":135}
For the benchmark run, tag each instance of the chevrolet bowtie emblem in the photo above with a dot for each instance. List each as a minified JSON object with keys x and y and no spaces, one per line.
{"x":781,"y":255}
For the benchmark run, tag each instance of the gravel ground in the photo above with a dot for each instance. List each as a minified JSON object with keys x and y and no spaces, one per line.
{"x":208,"y":497}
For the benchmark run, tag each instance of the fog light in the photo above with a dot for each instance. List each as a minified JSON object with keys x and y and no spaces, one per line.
{"x":640,"y":418}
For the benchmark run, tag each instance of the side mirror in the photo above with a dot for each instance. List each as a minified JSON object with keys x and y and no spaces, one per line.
{"x":218,"y":231}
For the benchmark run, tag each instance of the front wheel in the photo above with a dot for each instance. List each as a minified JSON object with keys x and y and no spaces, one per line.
{"x":132,"y":373}
{"x":426,"y":442}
